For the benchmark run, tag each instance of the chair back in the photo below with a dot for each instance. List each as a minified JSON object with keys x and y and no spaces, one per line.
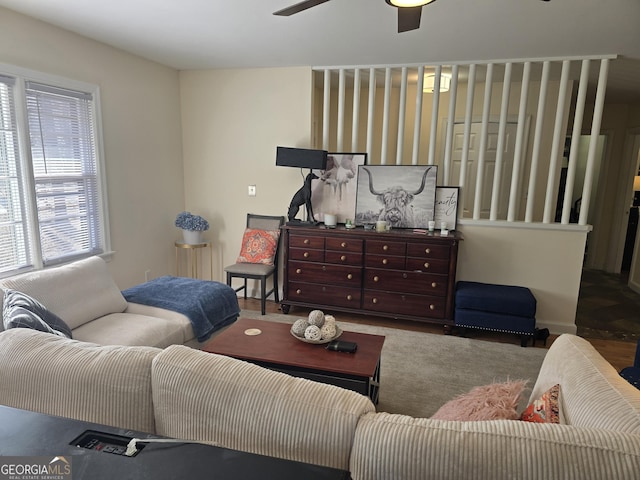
{"x":266,"y":222}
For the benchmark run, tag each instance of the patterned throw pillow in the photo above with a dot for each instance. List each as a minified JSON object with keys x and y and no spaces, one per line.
{"x":259,"y":246}
{"x":19,"y":310}
{"x":497,"y":401}
{"x":545,"y":409}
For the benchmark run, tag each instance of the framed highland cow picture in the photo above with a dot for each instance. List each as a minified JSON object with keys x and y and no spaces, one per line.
{"x":401,"y":195}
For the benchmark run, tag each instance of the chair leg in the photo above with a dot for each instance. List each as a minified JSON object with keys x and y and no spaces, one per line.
{"x":275,"y":286}
{"x":228,"y":279}
{"x":245,"y":288}
{"x":263,"y":296}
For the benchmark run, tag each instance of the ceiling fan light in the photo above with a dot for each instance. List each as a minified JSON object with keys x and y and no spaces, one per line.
{"x":429,"y":84}
{"x":408,"y":3}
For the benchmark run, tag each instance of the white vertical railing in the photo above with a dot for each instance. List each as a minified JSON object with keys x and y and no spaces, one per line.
{"x":355,"y":118}
{"x":453,"y":95}
{"x":401,"y":116}
{"x":502,"y":131}
{"x":535,"y":155}
{"x":468,"y":113}
{"x":514,"y":191}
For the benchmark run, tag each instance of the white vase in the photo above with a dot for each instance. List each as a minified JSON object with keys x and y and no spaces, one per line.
{"x":192,"y":237}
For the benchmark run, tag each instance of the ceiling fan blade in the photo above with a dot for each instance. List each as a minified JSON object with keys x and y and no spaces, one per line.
{"x":299,"y":7}
{"x":409,"y":18}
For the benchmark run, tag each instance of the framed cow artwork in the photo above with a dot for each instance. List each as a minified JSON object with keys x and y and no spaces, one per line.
{"x":402,"y":195}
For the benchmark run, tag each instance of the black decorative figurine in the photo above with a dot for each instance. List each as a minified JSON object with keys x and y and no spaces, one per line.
{"x":302,"y":197}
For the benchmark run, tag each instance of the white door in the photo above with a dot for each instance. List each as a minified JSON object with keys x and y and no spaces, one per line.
{"x":469,"y":191}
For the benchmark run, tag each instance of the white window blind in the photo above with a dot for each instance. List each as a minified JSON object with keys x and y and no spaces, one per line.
{"x":14,"y":244}
{"x":51,"y":200}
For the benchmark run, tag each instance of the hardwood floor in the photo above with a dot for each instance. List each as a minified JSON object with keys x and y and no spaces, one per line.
{"x":619,"y":353}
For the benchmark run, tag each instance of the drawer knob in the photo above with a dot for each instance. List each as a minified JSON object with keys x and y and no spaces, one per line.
{"x":375,"y":300}
{"x":376,"y":278}
{"x":432,"y":307}
{"x":427,"y":250}
{"x":307,"y":241}
{"x":343,"y":244}
{"x":404,"y":275}
{"x":324,"y":268}
{"x":426,"y":264}
{"x":349,"y":297}
{"x":434,"y":284}
{"x":298,"y":270}
{"x":385,"y":261}
{"x":298,"y":291}
{"x":306,"y":254}
{"x":343,"y":258}
{"x":385,"y":248}
{"x":350,"y":276}
{"x":324,"y":289}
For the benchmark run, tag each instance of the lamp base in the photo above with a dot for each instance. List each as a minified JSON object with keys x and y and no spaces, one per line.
{"x":301,"y":223}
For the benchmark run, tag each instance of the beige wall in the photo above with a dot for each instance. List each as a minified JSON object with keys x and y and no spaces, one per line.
{"x":141,"y":133}
{"x":546,"y":259}
{"x":226,"y":125}
{"x":233,"y":120}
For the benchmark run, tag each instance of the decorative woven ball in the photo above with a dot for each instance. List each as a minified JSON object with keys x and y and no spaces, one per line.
{"x":316,"y":317}
{"x":329,"y":319}
{"x":312,"y":333}
{"x":299,"y":326}
{"x":328,"y":330}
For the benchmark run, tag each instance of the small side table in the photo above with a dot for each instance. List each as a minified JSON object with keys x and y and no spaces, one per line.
{"x":194,"y":257}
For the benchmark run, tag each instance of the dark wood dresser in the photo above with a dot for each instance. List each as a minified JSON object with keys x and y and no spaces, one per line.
{"x":395,"y":274}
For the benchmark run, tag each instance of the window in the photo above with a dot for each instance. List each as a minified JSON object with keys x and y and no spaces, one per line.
{"x":51,"y":195}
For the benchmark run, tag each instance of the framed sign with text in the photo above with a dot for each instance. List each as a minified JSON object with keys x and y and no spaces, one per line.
{"x":446,"y":206}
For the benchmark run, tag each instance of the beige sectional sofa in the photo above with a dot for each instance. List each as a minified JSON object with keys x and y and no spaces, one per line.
{"x":85,"y":296}
{"x":185,"y":393}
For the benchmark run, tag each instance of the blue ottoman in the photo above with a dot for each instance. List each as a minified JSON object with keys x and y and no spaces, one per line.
{"x":499,"y":308}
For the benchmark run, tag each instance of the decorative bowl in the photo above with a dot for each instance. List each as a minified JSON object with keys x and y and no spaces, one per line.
{"x":318,"y":342}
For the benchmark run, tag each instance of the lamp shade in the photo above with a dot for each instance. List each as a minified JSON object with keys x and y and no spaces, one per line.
{"x":430,"y":82}
{"x":636,"y":183}
{"x":408,"y":3}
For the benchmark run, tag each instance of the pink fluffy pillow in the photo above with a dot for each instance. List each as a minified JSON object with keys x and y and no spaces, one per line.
{"x":497,"y":401}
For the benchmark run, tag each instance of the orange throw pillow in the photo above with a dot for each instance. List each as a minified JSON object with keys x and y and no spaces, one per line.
{"x":259,"y":246}
{"x":545,"y":409}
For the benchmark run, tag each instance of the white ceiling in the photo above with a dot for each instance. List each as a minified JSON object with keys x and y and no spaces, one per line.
{"x":202,"y":34}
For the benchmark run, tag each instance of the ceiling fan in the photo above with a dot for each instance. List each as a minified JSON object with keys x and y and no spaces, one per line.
{"x":409,"y":11}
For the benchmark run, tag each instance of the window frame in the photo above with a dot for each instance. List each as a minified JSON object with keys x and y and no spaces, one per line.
{"x":28,"y":182}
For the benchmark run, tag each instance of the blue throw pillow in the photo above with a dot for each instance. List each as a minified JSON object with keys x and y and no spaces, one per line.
{"x":19,"y":310}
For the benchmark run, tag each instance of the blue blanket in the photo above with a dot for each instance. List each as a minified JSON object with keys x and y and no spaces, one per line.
{"x":209,"y":305}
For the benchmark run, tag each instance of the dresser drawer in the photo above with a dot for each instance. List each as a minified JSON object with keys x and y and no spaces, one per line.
{"x":428,"y":265}
{"x":428,"y":250}
{"x":343,"y":258}
{"x":327,"y":274}
{"x":307,"y":254}
{"x":325,"y":294}
{"x":384,"y":261}
{"x":343,"y":244}
{"x":303,"y":241}
{"x":382,"y":247}
{"x":404,"y":304}
{"x":409,"y":282}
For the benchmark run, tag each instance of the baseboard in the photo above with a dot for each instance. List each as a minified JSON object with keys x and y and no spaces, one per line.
{"x":558,"y":328}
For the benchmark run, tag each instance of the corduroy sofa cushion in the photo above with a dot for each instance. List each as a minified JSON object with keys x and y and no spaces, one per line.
{"x":390,"y":446}
{"x":77,"y":292}
{"x":58,"y":376}
{"x":212,"y":398}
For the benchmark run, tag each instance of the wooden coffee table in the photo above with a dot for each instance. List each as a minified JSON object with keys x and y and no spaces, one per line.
{"x":275,"y":348}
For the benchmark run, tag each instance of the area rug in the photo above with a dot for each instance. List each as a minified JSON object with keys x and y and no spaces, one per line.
{"x":421,"y":371}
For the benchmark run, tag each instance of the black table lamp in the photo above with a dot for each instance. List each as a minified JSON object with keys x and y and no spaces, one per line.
{"x":302,"y":158}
